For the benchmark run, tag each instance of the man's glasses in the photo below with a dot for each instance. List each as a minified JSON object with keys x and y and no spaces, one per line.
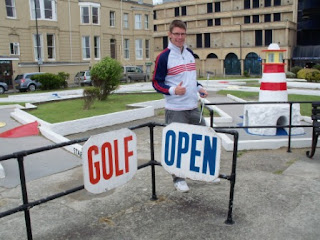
{"x":179,"y":34}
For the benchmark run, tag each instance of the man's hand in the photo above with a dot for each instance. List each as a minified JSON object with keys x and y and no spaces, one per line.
{"x":180,"y":90}
{"x":203,"y":93}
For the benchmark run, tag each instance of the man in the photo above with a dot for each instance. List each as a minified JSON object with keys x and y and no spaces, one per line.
{"x":175,"y":76}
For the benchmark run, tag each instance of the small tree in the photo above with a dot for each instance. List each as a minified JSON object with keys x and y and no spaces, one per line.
{"x":106,"y":76}
{"x":89,"y":95}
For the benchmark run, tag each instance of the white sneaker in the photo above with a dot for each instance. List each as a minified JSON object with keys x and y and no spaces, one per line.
{"x":217,"y":180}
{"x":181,"y":186}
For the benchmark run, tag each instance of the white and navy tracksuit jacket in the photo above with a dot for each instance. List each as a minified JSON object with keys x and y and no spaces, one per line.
{"x":173,"y":66}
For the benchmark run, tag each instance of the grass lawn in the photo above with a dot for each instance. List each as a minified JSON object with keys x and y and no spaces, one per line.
{"x":305,"y":108}
{"x":73,"y":109}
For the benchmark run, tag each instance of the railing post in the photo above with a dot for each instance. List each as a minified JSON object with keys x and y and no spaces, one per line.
{"x":233,"y":177}
{"x":290,"y":123}
{"x":153,"y":174}
{"x":25,"y":196}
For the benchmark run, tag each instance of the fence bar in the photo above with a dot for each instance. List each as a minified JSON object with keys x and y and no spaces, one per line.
{"x":153,"y":174}
{"x":232,"y":177}
{"x":290,"y":126}
{"x":25,"y":196}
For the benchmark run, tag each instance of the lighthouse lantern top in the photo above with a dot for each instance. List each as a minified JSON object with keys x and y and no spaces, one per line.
{"x":274,"y":54}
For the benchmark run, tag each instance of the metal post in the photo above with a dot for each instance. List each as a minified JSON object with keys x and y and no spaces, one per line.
{"x":290,"y":123}
{"x":233,"y":177}
{"x":25,"y":197}
{"x":153,"y":174}
{"x":37,"y":36}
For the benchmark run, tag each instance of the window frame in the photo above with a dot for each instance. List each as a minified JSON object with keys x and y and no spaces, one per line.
{"x":13,"y":9}
{"x":146,"y":22}
{"x":138,"y":21}
{"x":42,"y":10}
{"x":147,"y":48}
{"x":138,"y":49}
{"x":85,"y":54}
{"x":126,"y":20}
{"x":52,"y":47}
{"x":112,"y":18}
{"x":36,"y":48}
{"x":93,"y":18}
{"x":126,"y":48}
{"x":14,"y":48}
{"x":96,"y":46}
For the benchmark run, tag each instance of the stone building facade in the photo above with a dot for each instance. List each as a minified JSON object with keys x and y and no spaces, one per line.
{"x":228,"y":36}
{"x":73,"y":35}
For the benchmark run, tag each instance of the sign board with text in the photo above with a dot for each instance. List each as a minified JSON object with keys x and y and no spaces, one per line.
{"x":191,"y":151}
{"x":109,"y":160}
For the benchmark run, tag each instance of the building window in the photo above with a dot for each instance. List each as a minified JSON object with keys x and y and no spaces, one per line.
{"x":199,"y":40}
{"x":184,"y":11}
{"x":267,"y":3}
{"x":258,"y":37}
{"x":246,"y":19}
{"x":95,"y":15}
{"x":164,"y":42}
{"x":154,"y":14}
{"x":38,"y":43}
{"x":155,"y":28}
{"x":90,"y":13}
{"x":147,"y":47}
{"x":246,"y":4}
{"x":146,"y":21}
{"x":267,"y":18}
{"x":14,"y":48}
{"x":85,"y":15}
{"x":113,"y":52}
{"x":210,"y":22}
{"x":112,"y":19}
{"x":137,"y":22}
{"x":277,"y":3}
{"x":86,"y":47}
{"x":209,"y":8}
{"x":276,"y":17}
{"x":267,"y":37}
{"x":207,"y":40}
{"x":51,"y":46}
{"x":126,"y":48}
{"x":46,"y":9}
{"x":255,"y":4}
{"x":255,"y":18}
{"x":96,"y":40}
{"x":217,"y":22}
{"x":217,"y":7}
{"x":125,"y":20}
{"x":11,"y":8}
{"x":270,"y":57}
{"x":176,"y":12}
{"x":139,"y":50}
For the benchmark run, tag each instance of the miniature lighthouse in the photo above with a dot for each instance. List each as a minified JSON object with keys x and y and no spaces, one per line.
{"x":273,"y":88}
{"x":273,"y":85}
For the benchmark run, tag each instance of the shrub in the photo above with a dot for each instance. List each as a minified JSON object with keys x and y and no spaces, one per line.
{"x":313,"y":76}
{"x":49,"y":81}
{"x":302,"y":73}
{"x":290,"y":75}
{"x":317,"y":66}
{"x":295,"y":69}
{"x":246,"y":74}
{"x":90,"y":94}
{"x":65,"y":76}
{"x":106,"y":75}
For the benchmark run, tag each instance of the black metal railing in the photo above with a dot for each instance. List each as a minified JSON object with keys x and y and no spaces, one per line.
{"x":27,"y":206}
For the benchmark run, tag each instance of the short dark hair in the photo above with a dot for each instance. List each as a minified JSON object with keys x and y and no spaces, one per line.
{"x":177,"y":23}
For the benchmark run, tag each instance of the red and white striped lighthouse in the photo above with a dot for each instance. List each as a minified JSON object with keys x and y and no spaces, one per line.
{"x":273,"y":85}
